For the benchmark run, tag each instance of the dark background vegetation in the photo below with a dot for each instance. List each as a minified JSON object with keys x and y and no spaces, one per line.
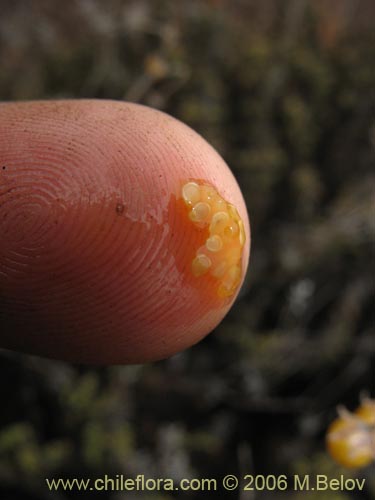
{"x":285,"y":91}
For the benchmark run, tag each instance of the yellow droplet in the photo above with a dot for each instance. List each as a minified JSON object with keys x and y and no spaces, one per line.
{"x":200,"y":265}
{"x":230,"y":281}
{"x":219,"y":270}
{"x":233,"y":212}
{"x":223,"y":291}
{"x":219,"y":205}
{"x":191,"y":193}
{"x":242,"y":233}
{"x":200,"y":212}
{"x":208,"y":194}
{"x":232,"y":230}
{"x":214,"y":243}
{"x":219,"y":222}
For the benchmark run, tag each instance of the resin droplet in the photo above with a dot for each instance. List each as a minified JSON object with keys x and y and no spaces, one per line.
{"x":219,"y":222}
{"x":191,"y":193}
{"x":242,"y":233}
{"x":219,"y":270}
{"x":230,"y":282}
{"x":232,"y":210}
{"x":200,"y":212}
{"x":221,"y":255}
{"x":231,"y":230}
{"x":214,"y":243}
{"x":200,"y":265}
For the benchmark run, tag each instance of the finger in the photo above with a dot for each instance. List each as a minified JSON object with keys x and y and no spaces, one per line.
{"x":97,"y":247}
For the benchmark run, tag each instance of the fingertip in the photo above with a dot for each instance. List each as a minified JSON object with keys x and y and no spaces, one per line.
{"x":98,"y":262}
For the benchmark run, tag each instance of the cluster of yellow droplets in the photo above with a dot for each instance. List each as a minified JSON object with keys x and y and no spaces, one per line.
{"x":221,"y":254}
{"x":351,"y":437}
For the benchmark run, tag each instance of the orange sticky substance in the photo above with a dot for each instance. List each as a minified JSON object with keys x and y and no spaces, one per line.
{"x":219,"y":258}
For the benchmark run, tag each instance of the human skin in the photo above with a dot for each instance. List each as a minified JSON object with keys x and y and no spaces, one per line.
{"x":95,"y":244}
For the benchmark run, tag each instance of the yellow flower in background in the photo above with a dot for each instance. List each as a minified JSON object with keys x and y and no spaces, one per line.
{"x":351,"y":437}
